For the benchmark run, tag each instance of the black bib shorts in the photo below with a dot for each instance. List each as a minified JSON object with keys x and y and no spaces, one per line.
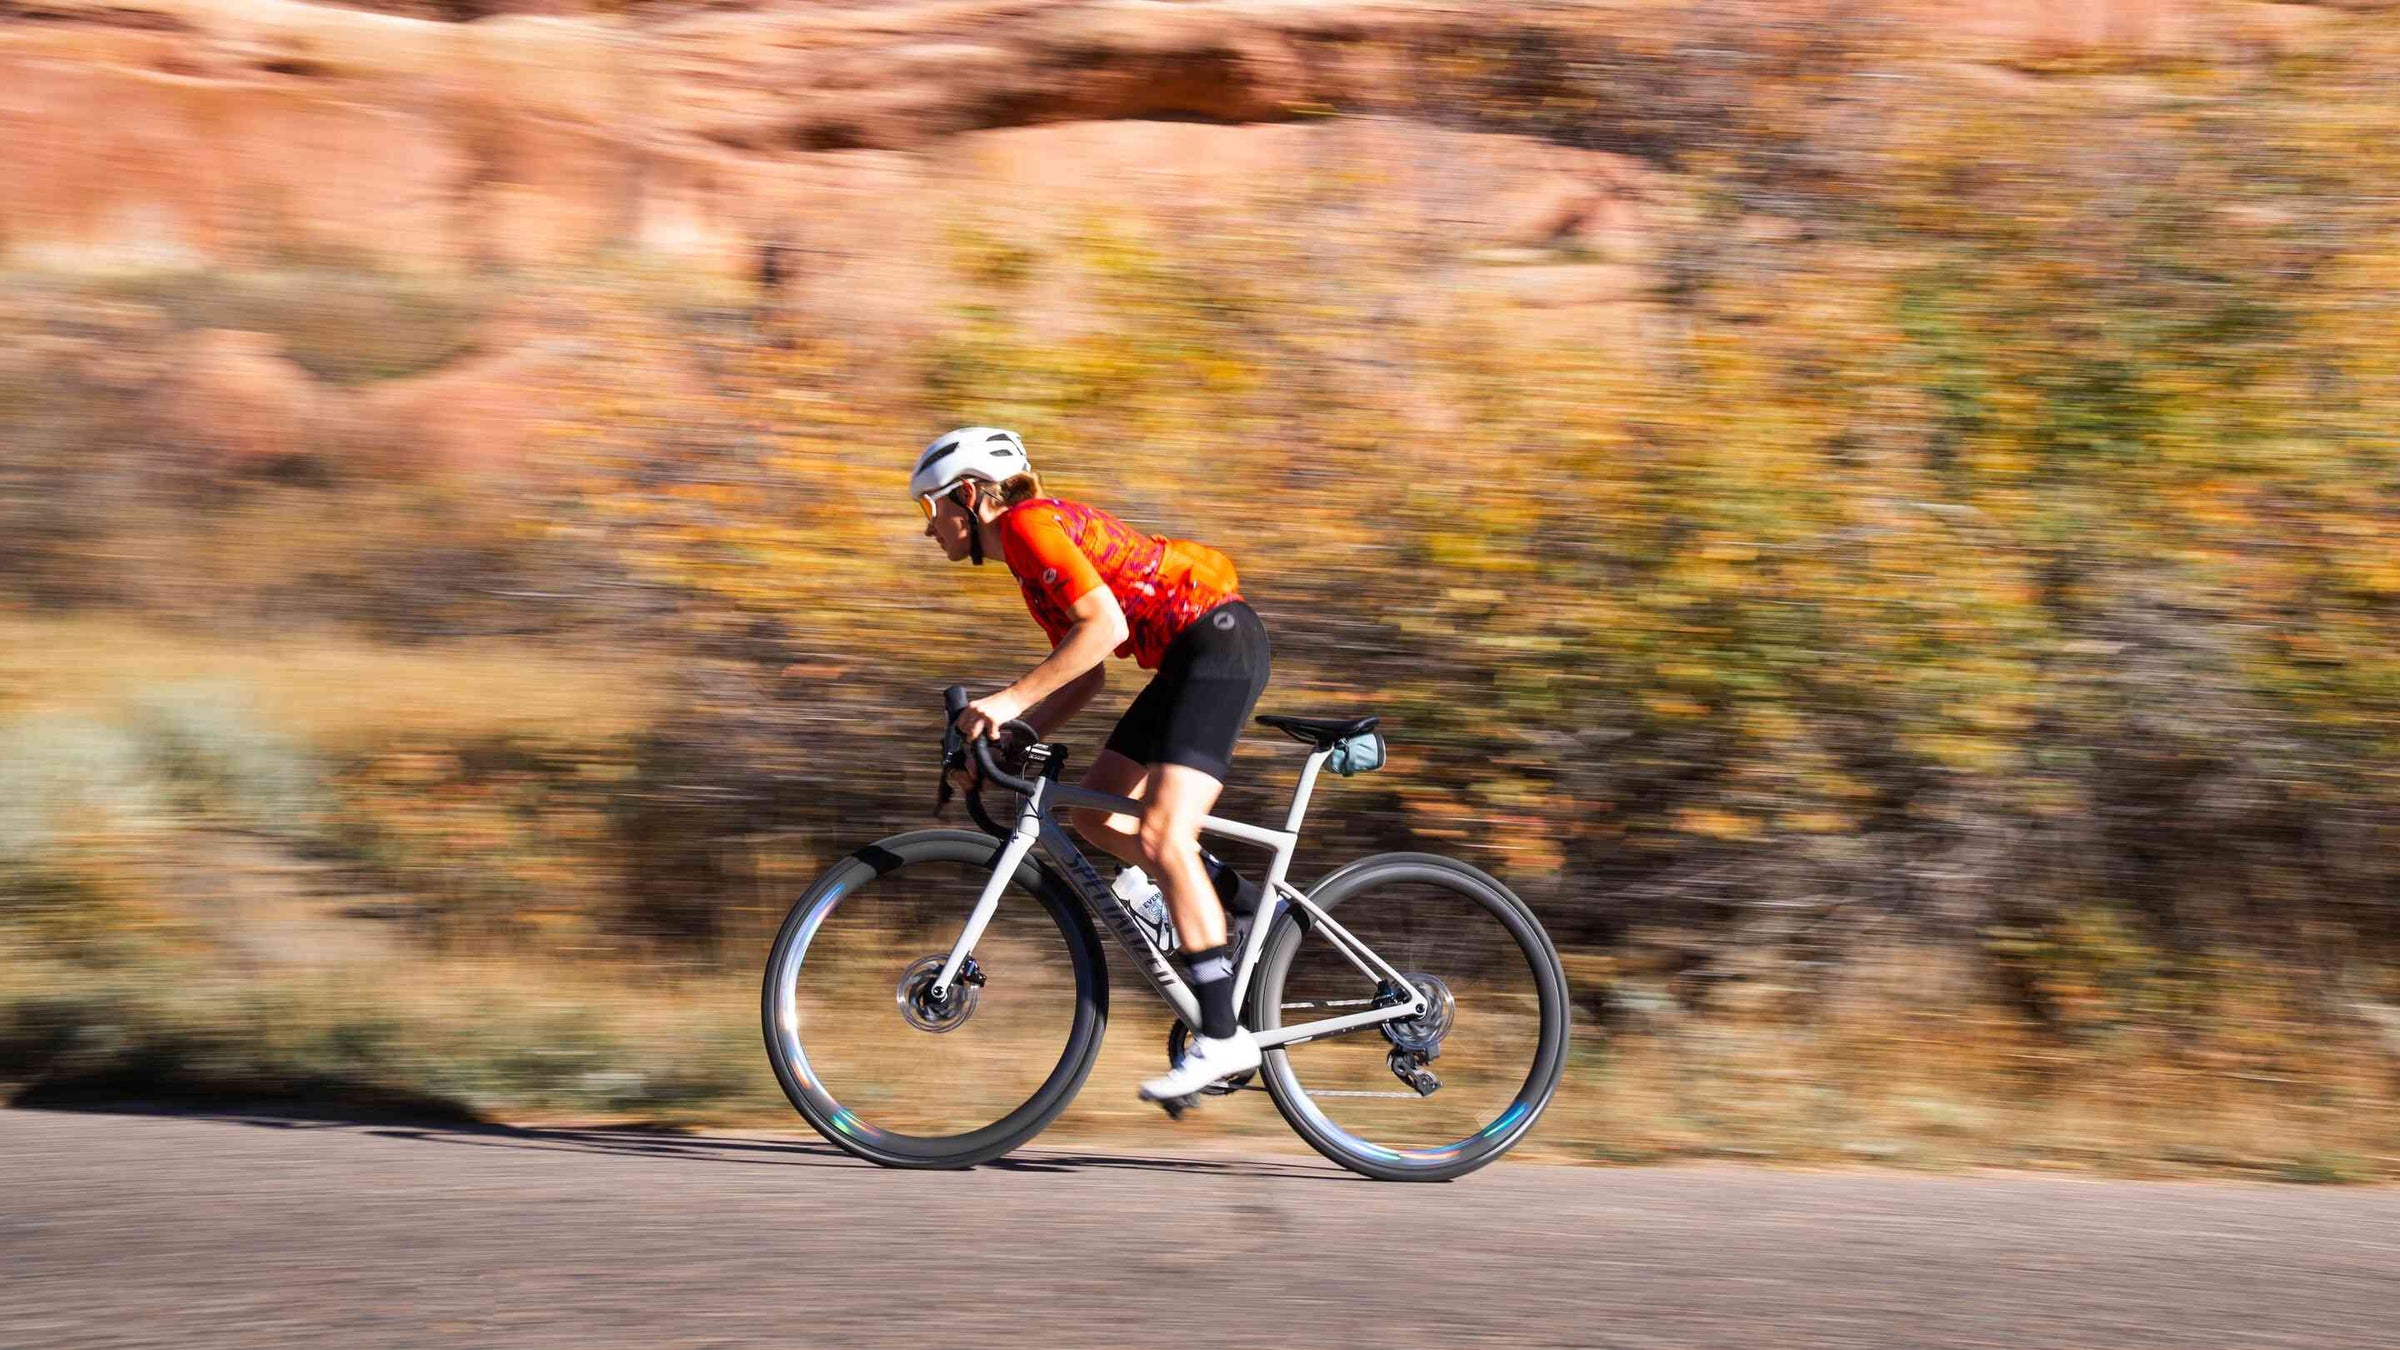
{"x":1208,"y":680}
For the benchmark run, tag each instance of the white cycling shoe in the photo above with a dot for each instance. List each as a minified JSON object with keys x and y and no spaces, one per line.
{"x":1204,"y":1062}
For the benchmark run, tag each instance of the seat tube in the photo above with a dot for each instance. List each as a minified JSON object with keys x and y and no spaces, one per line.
{"x":1246,"y":960}
{"x":1020,"y":841}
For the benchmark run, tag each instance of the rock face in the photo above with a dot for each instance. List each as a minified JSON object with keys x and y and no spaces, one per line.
{"x":169,"y":131}
{"x":242,"y":406}
{"x":842,"y":149}
{"x":237,"y":398}
{"x":229,"y":130}
{"x":254,"y":127}
{"x":205,"y":131}
{"x":479,"y":417}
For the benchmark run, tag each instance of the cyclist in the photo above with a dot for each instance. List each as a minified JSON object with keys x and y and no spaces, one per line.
{"x":1097,"y":586}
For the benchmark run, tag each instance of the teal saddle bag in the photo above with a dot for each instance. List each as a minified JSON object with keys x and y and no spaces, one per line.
{"x":1358,"y":754}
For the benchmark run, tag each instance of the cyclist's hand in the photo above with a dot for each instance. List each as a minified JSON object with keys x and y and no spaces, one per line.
{"x":982,"y":719}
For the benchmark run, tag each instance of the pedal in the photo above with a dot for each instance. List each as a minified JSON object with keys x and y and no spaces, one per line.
{"x":1180,"y":1035}
{"x":1176,"y":1106}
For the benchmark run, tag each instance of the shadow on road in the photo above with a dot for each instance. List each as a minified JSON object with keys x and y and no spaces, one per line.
{"x":656,"y":1143}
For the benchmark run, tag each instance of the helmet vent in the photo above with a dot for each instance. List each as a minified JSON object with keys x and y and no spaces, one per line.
{"x":935,"y":456}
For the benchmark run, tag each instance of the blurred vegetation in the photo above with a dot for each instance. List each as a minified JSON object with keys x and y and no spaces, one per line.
{"x":1939,"y":675}
{"x":349,"y":326}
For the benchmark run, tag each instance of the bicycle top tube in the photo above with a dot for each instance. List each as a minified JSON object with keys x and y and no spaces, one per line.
{"x":1067,"y":794}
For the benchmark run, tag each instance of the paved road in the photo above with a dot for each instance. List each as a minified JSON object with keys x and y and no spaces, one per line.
{"x":132,"y":1230}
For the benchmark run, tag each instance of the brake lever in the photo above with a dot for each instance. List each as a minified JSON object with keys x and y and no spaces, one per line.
{"x":954,"y":745}
{"x":957,"y":753}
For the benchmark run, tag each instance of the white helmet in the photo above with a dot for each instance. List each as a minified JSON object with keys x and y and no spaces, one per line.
{"x":987,"y":453}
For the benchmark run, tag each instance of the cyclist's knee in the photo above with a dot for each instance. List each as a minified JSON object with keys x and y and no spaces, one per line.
{"x":1165,"y":838}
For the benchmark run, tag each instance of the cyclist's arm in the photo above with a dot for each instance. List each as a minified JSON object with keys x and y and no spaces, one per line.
{"x":1072,"y":697}
{"x":1099,"y":630}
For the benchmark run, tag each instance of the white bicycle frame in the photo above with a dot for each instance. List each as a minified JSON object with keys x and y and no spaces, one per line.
{"x":1035,"y":826}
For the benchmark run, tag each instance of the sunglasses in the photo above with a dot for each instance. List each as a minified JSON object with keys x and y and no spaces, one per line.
{"x":933,"y":500}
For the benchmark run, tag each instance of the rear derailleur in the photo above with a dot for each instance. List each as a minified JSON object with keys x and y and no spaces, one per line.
{"x":1417,"y":1041}
{"x":1409,"y":1067}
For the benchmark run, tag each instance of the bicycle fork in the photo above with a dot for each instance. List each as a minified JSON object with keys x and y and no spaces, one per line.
{"x":1012,"y":853}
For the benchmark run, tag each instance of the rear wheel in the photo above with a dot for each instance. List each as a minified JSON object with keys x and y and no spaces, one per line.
{"x":1442,"y":1093}
{"x":879,"y":1066}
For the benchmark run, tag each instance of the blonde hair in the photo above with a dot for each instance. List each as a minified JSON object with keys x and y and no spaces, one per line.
{"x":1022,"y":487}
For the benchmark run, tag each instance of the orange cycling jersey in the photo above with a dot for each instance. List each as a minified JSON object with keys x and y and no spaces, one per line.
{"x":1062,"y":551}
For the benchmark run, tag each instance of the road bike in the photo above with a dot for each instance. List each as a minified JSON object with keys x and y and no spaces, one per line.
{"x":937,"y":998}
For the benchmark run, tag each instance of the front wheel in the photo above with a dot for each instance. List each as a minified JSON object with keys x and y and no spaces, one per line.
{"x":885,"y":1071}
{"x":1440,"y":1094}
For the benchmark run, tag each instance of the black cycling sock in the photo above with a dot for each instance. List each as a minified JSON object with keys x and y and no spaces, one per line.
{"x":1212,"y":984}
{"x":1236,"y":894}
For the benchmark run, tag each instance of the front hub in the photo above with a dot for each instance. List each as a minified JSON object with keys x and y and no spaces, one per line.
{"x":926,"y":1012}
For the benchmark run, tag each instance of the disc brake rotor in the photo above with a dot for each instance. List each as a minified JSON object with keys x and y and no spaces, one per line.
{"x":917,"y":1003}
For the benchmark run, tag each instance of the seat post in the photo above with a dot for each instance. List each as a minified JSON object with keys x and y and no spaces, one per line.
{"x":1306,"y":786}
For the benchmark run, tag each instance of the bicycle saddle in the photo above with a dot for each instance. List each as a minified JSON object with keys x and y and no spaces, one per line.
{"x":1321,"y":731}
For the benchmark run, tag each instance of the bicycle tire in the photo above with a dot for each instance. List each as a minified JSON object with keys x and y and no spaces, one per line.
{"x":1547,"y":1064}
{"x":847,"y":1129}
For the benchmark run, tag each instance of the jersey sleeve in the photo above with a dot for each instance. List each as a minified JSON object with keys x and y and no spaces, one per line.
{"x":1046,"y":560}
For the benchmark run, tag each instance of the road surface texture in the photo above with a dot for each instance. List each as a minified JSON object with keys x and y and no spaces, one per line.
{"x":160,"y":1230}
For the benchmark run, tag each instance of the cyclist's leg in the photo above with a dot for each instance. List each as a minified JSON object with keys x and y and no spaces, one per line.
{"x":1122,"y":767}
{"x":1211,"y":678}
{"x":1115,"y":772}
{"x":1118,"y":836}
{"x":1218,"y":668}
{"x":1177,"y":798}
